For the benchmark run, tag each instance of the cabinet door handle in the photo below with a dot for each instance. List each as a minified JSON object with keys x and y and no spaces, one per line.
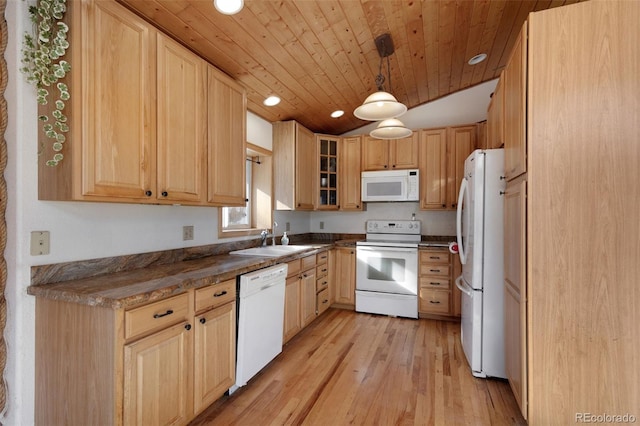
{"x":187,"y":327}
{"x":165,"y":194}
{"x":169,"y":312}
{"x":148,"y":193}
{"x":435,"y":302}
{"x":222,"y":293}
{"x":203,"y":320}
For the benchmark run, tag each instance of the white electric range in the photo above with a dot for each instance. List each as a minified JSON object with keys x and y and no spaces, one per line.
{"x":387,"y":268}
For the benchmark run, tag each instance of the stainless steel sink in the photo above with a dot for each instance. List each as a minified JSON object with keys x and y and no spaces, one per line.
{"x":271,"y":251}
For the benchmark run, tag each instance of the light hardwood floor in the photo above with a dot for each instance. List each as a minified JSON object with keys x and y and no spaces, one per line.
{"x":353,"y":368}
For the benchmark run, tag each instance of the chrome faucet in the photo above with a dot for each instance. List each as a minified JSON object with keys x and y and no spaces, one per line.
{"x":273,"y":233}
{"x":263,"y":238}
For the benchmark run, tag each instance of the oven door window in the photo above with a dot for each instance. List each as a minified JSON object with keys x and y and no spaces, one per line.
{"x":387,"y":271}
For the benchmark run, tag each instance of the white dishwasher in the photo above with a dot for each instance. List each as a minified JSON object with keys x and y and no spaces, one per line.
{"x":260,"y":320}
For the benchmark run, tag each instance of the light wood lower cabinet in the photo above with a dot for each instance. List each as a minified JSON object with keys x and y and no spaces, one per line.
{"x":155,"y":364}
{"x":158,"y":377}
{"x":215,"y":354}
{"x":300,"y":296}
{"x":436,"y":275}
{"x":345,"y":273}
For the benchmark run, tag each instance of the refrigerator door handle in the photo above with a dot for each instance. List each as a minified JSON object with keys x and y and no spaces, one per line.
{"x":463,"y":188}
{"x":462,"y":286}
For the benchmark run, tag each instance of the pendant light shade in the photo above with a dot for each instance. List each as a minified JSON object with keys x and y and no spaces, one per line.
{"x":391,"y":128}
{"x":379,"y":106}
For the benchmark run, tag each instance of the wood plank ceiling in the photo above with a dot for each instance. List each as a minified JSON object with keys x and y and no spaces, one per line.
{"x":320,"y":56}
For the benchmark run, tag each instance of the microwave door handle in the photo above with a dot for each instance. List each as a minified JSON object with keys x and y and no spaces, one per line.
{"x":463,"y":188}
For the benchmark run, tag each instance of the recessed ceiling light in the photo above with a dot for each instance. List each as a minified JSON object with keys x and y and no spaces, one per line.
{"x":338,"y":113}
{"x":271,"y":101}
{"x":477,"y":59}
{"x":228,"y":7}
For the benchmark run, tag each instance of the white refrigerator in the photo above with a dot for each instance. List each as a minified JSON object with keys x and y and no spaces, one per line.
{"x":480,"y":222}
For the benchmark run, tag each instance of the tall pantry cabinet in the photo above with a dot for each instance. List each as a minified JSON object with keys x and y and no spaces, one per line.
{"x":572,"y":208}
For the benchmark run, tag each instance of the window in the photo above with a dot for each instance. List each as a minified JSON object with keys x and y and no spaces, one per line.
{"x":256,"y":214}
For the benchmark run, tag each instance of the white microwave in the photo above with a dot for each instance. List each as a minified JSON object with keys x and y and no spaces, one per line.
{"x":391,"y":185}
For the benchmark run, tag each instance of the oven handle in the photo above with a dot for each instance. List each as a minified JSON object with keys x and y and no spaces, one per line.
{"x":383,"y":249}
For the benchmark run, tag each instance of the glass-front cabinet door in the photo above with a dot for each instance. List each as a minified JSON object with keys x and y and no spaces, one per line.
{"x":327,"y":147}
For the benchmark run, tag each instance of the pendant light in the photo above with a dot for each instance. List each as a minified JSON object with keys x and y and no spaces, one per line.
{"x":381,"y":105}
{"x":391,"y":128}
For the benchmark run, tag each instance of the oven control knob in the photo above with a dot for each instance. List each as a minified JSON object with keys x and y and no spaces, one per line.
{"x":375,"y":225}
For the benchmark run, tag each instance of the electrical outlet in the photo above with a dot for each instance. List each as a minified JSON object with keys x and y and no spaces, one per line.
{"x":39,"y":243}
{"x":321,"y":225}
{"x":287,"y":227}
{"x":187,"y":232}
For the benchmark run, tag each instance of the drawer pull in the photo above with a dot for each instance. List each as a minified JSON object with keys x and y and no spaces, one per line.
{"x":432,"y":283}
{"x":324,"y":270}
{"x":434,"y":270}
{"x":222,"y":293}
{"x":324,"y":301}
{"x":169,"y":312}
{"x":434,"y":257}
{"x":435,"y":302}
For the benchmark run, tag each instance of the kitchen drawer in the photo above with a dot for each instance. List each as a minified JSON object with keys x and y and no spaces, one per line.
{"x":434,"y":301}
{"x":156,"y":316}
{"x":434,"y":256}
{"x":435,"y":283}
{"x":434,"y":270}
{"x":293,"y":268}
{"x":322,"y":270}
{"x":321,"y":258}
{"x":308,"y":262}
{"x":215,"y":295}
{"x":322,"y":283}
{"x":322,"y":301}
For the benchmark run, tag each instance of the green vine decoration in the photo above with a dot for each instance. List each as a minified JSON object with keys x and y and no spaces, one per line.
{"x":44,"y":66}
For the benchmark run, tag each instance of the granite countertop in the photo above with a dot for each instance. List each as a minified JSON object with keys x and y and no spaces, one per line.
{"x":130,"y":288}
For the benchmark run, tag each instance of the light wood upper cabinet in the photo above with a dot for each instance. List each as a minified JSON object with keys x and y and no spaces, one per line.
{"x":227,"y":115}
{"x":433,"y":169}
{"x":182,"y":129}
{"x":515,"y":86}
{"x":495,"y":117}
{"x":294,"y":166}
{"x":114,"y":133}
{"x":329,"y":176}
{"x":442,"y":155}
{"x":158,"y":378}
{"x":138,"y":118}
{"x":461,"y":143}
{"x":382,"y":154}
{"x":350,"y":193}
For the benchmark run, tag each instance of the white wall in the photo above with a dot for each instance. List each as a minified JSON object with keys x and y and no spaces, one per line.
{"x":90,"y":230}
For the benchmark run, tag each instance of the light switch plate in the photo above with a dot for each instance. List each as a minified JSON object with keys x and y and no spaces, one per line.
{"x":39,"y":243}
